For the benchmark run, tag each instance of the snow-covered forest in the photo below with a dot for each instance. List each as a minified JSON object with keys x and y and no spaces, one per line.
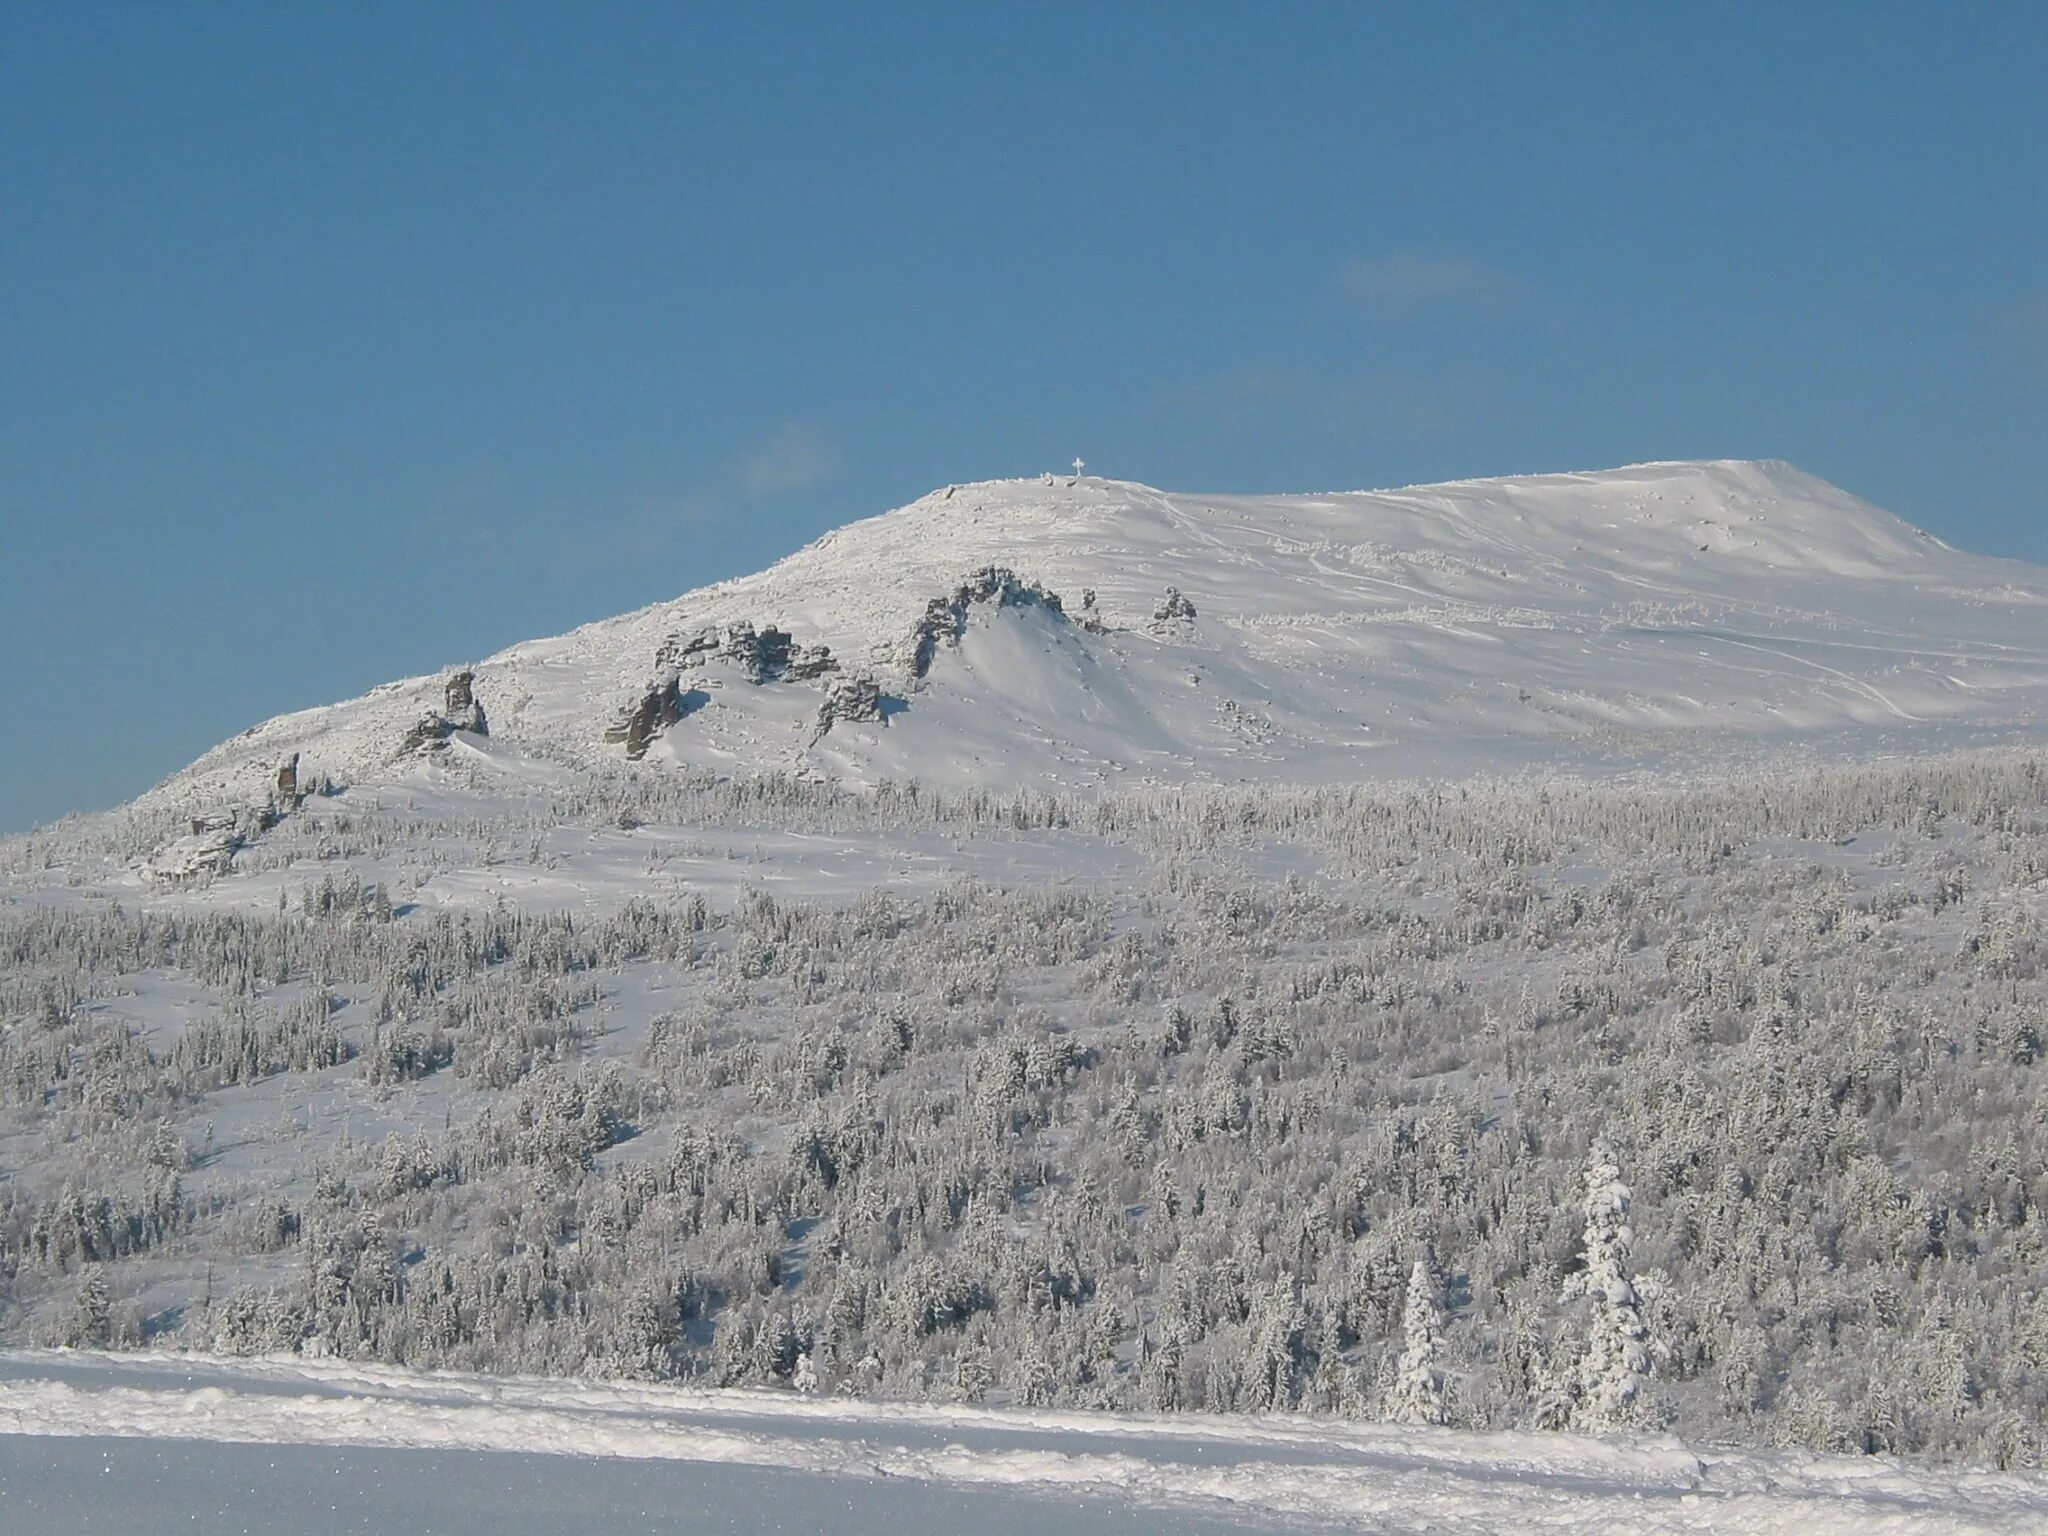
{"x":1499,"y":1104}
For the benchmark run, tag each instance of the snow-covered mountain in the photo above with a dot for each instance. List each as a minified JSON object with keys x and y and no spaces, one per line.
{"x":539,"y":1049}
{"x":1062,"y":632}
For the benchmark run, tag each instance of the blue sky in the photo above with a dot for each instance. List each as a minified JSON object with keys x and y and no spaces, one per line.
{"x":340,"y":343}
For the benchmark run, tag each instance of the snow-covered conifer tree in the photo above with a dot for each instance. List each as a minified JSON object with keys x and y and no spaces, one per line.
{"x":89,"y":1326}
{"x":1417,"y":1393}
{"x":1607,"y":1388}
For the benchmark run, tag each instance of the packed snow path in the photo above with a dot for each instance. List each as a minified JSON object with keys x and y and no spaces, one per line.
{"x":96,"y":1443}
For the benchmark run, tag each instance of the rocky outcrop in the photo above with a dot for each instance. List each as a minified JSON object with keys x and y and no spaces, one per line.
{"x":680,"y":651}
{"x":945,"y":618}
{"x":461,"y":711}
{"x":855,"y":699}
{"x":661,"y":706}
{"x":288,"y":782}
{"x":769,"y":655}
{"x":656,"y":710}
{"x":1174,"y":617}
{"x":811,"y":662}
{"x":428,"y":734}
{"x":210,"y":847}
{"x":762,"y":656}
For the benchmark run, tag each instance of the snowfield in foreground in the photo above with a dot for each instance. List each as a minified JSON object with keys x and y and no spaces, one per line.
{"x":451,"y":1453}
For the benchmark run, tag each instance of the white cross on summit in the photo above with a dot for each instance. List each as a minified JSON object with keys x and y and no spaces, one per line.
{"x":1079,"y":465}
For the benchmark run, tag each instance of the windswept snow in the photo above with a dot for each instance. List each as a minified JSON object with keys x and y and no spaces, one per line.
{"x":1633,"y":613}
{"x":1024,"y":1470}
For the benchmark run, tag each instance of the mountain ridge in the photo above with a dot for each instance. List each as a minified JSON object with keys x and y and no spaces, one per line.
{"x":1452,"y":619}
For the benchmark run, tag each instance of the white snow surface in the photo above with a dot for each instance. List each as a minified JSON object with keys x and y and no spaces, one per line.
{"x":1154,"y":1473}
{"x":1662,"y":613}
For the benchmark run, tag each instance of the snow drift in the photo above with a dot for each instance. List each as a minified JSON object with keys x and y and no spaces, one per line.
{"x":1162,"y":1474}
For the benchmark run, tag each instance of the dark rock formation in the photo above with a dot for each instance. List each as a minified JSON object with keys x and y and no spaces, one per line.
{"x":945,"y":618}
{"x":463,"y":712}
{"x":1175,"y":615}
{"x":857,"y":698}
{"x":429,"y":734}
{"x":763,"y":655}
{"x":661,"y":706}
{"x":288,"y":782}
{"x":658,"y":709}
{"x":810,"y":662}
{"x":680,"y":651}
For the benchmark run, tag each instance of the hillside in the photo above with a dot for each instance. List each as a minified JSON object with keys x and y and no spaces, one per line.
{"x":1021,"y":633}
{"x":1178,"y":1045}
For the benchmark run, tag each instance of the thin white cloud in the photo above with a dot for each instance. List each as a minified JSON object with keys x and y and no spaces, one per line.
{"x":795,"y":458}
{"x":1404,"y":282}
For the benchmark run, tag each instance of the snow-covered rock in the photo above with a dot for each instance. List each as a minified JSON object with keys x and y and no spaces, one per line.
{"x":209,"y":848}
{"x":855,"y":700}
{"x":460,"y":711}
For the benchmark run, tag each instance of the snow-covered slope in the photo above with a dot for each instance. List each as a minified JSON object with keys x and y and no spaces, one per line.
{"x":760,"y":1461}
{"x":1480,"y":624}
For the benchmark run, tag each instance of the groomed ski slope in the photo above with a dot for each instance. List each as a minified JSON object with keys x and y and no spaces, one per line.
{"x":458,"y":1454}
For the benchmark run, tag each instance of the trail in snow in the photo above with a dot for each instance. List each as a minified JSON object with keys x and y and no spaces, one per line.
{"x":1835,"y":672}
{"x":776,"y":1456}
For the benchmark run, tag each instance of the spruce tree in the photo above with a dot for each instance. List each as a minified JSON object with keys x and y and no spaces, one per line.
{"x":1417,"y":1393}
{"x":1607,"y":1388}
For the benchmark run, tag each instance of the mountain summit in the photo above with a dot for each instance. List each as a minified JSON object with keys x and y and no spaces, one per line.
{"x":1070,"y":630}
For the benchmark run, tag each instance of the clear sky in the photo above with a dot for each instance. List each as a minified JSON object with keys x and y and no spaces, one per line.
{"x":339,"y":343}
